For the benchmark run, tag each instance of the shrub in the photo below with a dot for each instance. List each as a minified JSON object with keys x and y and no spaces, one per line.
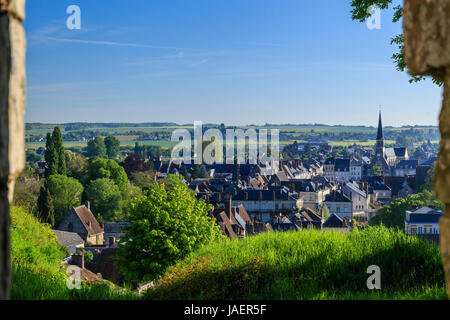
{"x":166,"y":225}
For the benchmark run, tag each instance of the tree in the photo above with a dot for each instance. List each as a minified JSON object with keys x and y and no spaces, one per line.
{"x":375,"y":171}
{"x":166,"y":225}
{"x":54,"y":154}
{"x":199,"y":171}
{"x":51,"y":157}
{"x":59,"y":150}
{"x":96,"y":148}
{"x":143,"y":179}
{"x":107,"y":168}
{"x":112,"y":145}
{"x":133,"y":163}
{"x":45,"y":206}
{"x":76,"y":166}
{"x":361,"y":12}
{"x":105,"y":198}
{"x":393,"y":215}
{"x":32,"y":156}
{"x":325,"y":212}
{"x":26,"y":191}
{"x":65,"y":193}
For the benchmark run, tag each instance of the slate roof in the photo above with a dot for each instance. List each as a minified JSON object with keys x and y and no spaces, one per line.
{"x":380,"y":128}
{"x":431,"y":217}
{"x":429,"y":162}
{"x":407,"y":164}
{"x":68,"y":239}
{"x":342,"y":165}
{"x":337,"y":196}
{"x":267,"y":195}
{"x":400,"y":152}
{"x":115,"y":227}
{"x":334,"y":221}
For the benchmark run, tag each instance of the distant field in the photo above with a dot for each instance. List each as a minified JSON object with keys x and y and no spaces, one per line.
{"x":126,"y":143}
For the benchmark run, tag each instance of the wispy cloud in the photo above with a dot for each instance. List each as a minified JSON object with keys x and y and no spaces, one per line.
{"x":112,"y":43}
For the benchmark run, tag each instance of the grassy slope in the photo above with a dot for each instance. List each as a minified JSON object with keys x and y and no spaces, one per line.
{"x":308,"y":265}
{"x":36,"y":261}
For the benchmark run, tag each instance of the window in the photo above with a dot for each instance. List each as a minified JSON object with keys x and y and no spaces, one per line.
{"x":70,"y":227}
{"x":338,"y":210}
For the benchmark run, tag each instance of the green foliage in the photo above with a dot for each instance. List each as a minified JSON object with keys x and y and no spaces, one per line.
{"x":76,"y":165}
{"x":143,"y":179}
{"x":96,"y":148}
{"x":375,"y":171}
{"x":32,"y":156}
{"x":325,"y":212}
{"x":26,"y":191}
{"x":36,"y":263}
{"x":106,"y":168}
{"x":105,"y":198}
{"x":112,"y":145}
{"x":166,"y":225}
{"x":65,"y":193}
{"x":199,"y":171}
{"x":45,"y":209}
{"x":54,"y":154}
{"x":88,"y":255}
{"x":393,"y":215}
{"x":308,"y":264}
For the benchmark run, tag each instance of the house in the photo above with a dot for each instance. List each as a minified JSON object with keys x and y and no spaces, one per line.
{"x":71,"y":240}
{"x":381,"y":192}
{"x":284,"y":224}
{"x":406,"y":168}
{"x":342,"y":170}
{"x":311,"y":191}
{"x":264,"y":204}
{"x":339,"y":204}
{"x":113,"y":232}
{"x":336,"y":223}
{"x":424,"y":220}
{"x":307,"y":219}
{"x":234,"y":221}
{"x":82,"y":221}
{"x":360,"y":200}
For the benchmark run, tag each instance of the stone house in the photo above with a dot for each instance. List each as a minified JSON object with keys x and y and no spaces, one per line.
{"x":263,"y":205}
{"x":339,"y":204}
{"x":82,"y":221}
{"x":113,"y":232}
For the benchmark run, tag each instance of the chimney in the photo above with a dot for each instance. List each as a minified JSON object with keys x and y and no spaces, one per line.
{"x":88,"y":205}
{"x":78,"y":259}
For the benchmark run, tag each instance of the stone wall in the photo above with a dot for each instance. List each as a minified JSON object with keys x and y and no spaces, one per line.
{"x":12,"y":110}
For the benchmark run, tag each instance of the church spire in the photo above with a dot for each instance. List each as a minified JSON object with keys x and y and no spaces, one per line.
{"x":380,"y":129}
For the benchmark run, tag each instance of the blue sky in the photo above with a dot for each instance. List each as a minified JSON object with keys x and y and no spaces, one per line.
{"x":232,"y":61}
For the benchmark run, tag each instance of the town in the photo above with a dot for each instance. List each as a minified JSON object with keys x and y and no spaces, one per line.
{"x":311,"y":186}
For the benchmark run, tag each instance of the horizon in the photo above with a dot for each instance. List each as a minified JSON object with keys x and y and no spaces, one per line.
{"x":227,"y":62}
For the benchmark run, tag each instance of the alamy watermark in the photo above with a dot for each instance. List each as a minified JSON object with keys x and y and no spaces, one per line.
{"x":374,"y":281}
{"x":374,"y":21}
{"x":74,"y":20}
{"x":208,"y":146}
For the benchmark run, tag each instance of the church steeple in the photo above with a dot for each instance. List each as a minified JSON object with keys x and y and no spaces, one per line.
{"x":380,"y":129}
{"x":379,"y":151}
